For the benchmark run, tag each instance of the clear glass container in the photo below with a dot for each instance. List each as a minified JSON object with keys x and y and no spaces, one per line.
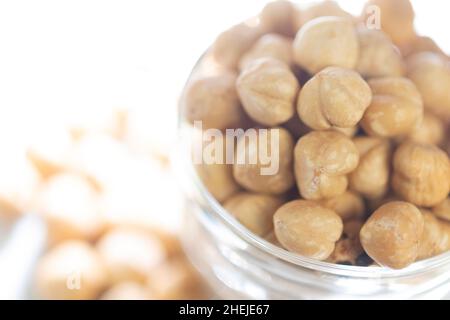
{"x":240,"y":265}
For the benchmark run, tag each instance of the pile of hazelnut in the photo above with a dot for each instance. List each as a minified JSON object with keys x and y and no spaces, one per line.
{"x":105,"y":235}
{"x":363,"y":119}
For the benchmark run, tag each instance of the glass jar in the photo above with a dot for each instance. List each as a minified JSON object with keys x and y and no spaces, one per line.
{"x":240,"y":265}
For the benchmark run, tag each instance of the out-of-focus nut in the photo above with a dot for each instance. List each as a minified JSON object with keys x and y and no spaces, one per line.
{"x":177,"y":280}
{"x":254,"y":211}
{"x":270,"y":150}
{"x":371,"y":177}
{"x":49,"y":150}
{"x":70,"y":207}
{"x":269,"y":46}
{"x":392,"y":234}
{"x":397,"y":18}
{"x":334,"y":97}
{"x":442,"y":210}
{"x":431,"y":236}
{"x":130,"y":254}
{"x":214,"y":101}
{"x":279,"y":16}
{"x":421,"y":44}
{"x":72,"y":270}
{"x":325,"y":42}
{"x":348,"y":249}
{"x":421,"y":174}
{"x":431,"y":130}
{"x":18,"y":184}
{"x":349,"y":205}
{"x":431,"y":74}
{"x":307,"y":228}
{"x":378,"y":57}
{"x":396,"y":107}
{"x":268,"y":89}
{"x":127,"y":291}
{"x":326,"y":8}
{"x":231,"y":44}
{"x":322,"y":161}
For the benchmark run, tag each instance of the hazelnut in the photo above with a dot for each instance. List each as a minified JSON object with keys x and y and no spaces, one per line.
{"x":307,"y":228}
{"x":251,"y":176}
{"x":214,"y":101}
{"x":442,"y":210}
{"x":326,"y":8}
{"x":421,"y":44}
{"x":396,"y":107}
{"x":371,"y":177}
{"x":254,"y":211}
{"x":348,"y":205}
{"x":322,"y":161}
{"x":431,"y":74}
{"x":176,"y":279}
{"x":217,"y":177}
{"x":348,"y":249}
{"x":431,"y":236}
{"x":127,"y":291}
{"x":129,"y":254}
{"x":325,"y":42}
{"x":269,"y":46}
{"x":397,"y":19}
{"x":231,"y":44}
{"x":279,"y":16}
{"x":444,"y":244}
{"x":378,"y":57}
{"x":334,"y":97}
{"x":431,"y":130}
{"x":70,"y":271}
{"x":421,"y":174}
{"x":70,"y":208}
{"x":391,"y":236}
{"x":268,"y":89}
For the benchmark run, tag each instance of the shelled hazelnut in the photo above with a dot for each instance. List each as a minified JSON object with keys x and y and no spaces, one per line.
{"x":348,"y":206}
{"x":307,"y":228}
{"x":396,"y":107}
{"x":391,"y":236}
{"x":397,"y":19}
{"x":378,"y":57}
{"x":431,"y":74}
{"x":254,"y":211}
{"x":322,"y":161}
{"x":334,"y":97}
{"x":269,"y":46}
{"x":268,"y":89}
{"x":371,"y":177}
{"x":325,"y":42}
{"x":421,"y":173}
{"x":214,"y":101}
{"x":251,"y":176}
